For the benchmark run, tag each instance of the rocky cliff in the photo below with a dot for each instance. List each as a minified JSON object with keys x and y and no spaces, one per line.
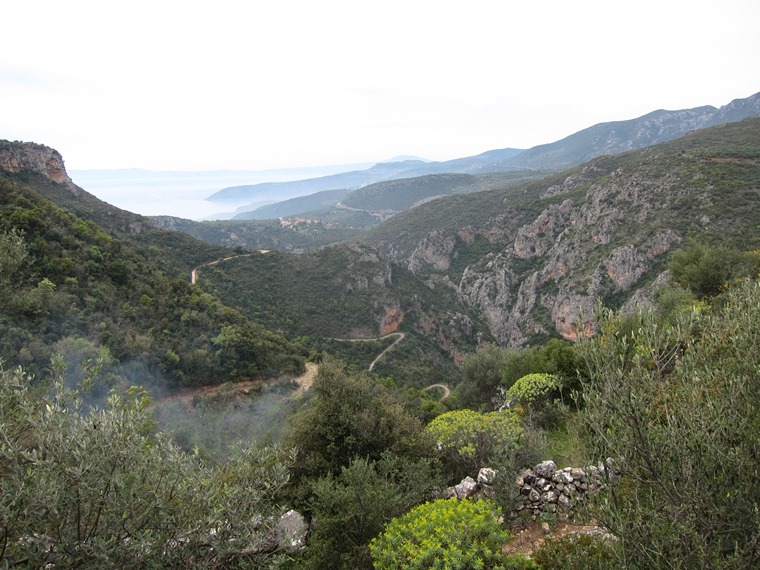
{"x":535,"y":262}
{"x":20,"y":156}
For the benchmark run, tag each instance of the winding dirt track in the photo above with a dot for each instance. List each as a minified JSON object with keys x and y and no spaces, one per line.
{"x":194,"y":272}
{"x":445,"y":389}
{"x":399,"y":337}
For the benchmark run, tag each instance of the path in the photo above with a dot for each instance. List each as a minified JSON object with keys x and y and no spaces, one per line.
{"x":400,"y":336}
{"x":533,"y":537}
{"x":243,"y":388}
{"x":446,"y":390}
{"x":194,"y":272}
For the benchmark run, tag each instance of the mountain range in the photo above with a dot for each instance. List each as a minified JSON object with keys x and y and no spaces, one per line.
{"x":604,"y":138}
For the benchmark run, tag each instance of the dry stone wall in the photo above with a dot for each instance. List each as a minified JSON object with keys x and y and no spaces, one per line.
{"x":542,"y":489}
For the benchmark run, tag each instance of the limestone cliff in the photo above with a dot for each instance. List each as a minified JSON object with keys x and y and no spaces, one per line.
{"x":20,"y":156}
{"x":535,"y":262}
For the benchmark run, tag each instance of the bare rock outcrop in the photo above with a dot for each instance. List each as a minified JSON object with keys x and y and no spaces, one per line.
{"x":20,"y":156}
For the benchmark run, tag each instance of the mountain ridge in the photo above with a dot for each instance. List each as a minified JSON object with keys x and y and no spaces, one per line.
{"x":603,"y":138}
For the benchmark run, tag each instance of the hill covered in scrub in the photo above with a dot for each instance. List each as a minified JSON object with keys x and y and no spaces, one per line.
{"x":521,"y":264}
{"x":530,"y":260}
{"x":86,"y":280}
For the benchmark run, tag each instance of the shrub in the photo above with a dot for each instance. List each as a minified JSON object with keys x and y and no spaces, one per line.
{"x":447,"y":534}
{"x":93,"y":489}
{"x":468,"y":440}
{"x":577,"y":552}
{"x":351,"y":509}
{"x":677,"y":407}
{"x":532,"y":388}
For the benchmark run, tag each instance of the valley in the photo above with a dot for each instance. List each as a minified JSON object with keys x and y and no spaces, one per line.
{"x":172,"y":390}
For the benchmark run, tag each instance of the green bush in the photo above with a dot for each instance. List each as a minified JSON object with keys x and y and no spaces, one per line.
{"x":678,"y":408}
{"x":578,"y":552}
{"x":448,"y":533}
{"x":469,"y":440}
{"x":351,"y":509}
{"x":532,"y":389}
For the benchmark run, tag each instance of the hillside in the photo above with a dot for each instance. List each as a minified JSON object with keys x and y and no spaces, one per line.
{"x":531,"y":260}
{"x":349,"y":292}
{"x":297,"y":233}
{"x":285,"y":190}
{"x":601,"y":139}
{"x":295,"y":206}
{"x":91,"y":281}
{"x":520,"y":264}
{"x":336,"y":216}
{"x":384,"y":199}
{"x":622,"y":136}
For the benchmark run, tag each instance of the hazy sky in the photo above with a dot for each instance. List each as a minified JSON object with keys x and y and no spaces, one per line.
{"x":264,"y":84}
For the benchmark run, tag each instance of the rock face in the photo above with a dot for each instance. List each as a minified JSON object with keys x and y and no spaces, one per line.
{"x":20,"y":156}
{"x":545,"y":274}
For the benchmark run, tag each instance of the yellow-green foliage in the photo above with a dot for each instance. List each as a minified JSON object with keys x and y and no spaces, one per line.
{"x":531,"y":388}
{"x":470,"y":439}
{"x":446,"y":533}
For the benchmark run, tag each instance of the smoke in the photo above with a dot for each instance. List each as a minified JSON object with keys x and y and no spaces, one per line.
{"x":211,"y":421}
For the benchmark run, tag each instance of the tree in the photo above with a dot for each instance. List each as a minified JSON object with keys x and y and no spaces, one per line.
{"x":93,"y":488}
{"x":481,"y":377}
{"x":677,"y":409}
{"x":350,"y":509}
{"x":491,"y":371}
{"x":350,"y":415}
{"x":13,"y":254}
{"x":707,"y":270}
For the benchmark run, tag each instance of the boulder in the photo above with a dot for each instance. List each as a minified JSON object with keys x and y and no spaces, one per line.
{"x":467,"y":488}
{"x":291,"y":531}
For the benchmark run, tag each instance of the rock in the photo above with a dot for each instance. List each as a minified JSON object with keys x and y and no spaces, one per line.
{"x":565,"y":477}
{"x":466,"y":488}
{"x":20,"y":156}
{"x":486,"y":476}
{"x":564,"y":501}
{"x":549,"y":497}
{"x":545,"y":469}
{"x":291,"y":531}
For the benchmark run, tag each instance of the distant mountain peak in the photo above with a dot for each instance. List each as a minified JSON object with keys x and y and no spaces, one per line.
{"x":406,"y":158}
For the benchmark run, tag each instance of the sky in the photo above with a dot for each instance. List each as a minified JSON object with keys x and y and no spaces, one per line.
{"x":189,"y":85}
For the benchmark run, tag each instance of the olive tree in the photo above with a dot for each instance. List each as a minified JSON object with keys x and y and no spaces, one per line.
{"x":97,"y":488}
{"x":677,"y":410}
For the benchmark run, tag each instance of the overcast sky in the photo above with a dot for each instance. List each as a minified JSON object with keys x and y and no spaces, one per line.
{"x":268,"y":84}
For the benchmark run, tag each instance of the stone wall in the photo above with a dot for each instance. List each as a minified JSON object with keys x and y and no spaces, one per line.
{"x":544,"y":488}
